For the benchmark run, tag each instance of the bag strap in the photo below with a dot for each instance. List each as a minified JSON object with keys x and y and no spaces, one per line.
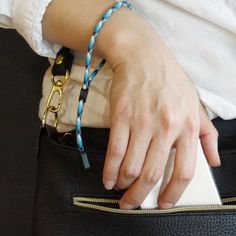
{"x":63,"y":62}
{"x":60,"y":75}
{"x":89,"y":77}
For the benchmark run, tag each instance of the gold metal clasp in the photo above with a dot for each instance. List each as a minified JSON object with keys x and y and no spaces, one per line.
{"x":60,"y":82}
{"x":55,"y":96}
{"x":49,"y":109}
{"x":55,"y":90}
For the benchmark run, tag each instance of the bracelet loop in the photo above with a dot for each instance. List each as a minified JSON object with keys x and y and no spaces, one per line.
{"x":89,"y":77}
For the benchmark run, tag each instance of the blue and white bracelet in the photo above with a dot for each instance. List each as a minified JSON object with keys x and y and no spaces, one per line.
{"x":88,"y":78}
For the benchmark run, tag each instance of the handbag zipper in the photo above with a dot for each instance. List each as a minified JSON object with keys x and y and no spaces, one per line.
{"x":229,"y":200}
{"x":93,"y":203}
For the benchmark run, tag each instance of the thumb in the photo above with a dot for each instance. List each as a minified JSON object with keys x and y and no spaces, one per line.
{"x":209,"y":139}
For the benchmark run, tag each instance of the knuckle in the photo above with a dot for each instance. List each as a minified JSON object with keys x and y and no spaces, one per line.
{"x":144,"y":121}
{"x":151,"y":177}
{"x":168,"y":121}
{"x":134,"y":200}
{"x":192,"y":125}
{"x":124,"y":111}
{"x":185,"y":176}
{"x":116,"y":151}
{"x":131,"y":173}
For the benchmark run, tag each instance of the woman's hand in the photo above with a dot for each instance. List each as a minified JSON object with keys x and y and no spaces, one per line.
{"x":154,"y":107}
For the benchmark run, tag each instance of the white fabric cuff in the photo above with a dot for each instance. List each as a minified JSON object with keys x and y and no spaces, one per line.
{"x":27,"y":18}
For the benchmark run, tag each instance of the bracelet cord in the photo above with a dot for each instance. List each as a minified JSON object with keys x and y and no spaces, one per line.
{"x":88,"y":78}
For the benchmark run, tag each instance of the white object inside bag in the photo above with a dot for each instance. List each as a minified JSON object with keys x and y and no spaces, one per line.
{"x":201,"y":190}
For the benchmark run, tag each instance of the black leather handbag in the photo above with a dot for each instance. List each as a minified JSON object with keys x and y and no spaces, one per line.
{"x":72,"y":201}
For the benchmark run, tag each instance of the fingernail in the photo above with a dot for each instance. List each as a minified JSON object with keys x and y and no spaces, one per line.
{"x":216,"y":163}
{"x":126,"y":206}
{"x":166,"y":205}
{"x":109,"y":184}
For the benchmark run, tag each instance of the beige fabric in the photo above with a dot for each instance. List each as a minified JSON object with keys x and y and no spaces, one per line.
{"x":96,"y":110}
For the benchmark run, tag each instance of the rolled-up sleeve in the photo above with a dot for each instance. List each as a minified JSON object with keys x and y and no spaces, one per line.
{"x":26,"y":17}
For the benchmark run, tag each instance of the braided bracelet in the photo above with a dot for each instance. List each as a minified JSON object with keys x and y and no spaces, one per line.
{"x":89,"y":77}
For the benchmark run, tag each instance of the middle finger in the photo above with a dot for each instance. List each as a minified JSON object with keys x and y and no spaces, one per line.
{"x":152,"y":171}
{"x":133,"y":162}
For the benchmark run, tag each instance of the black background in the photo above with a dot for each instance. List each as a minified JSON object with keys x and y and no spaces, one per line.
{"x":21,"y":74}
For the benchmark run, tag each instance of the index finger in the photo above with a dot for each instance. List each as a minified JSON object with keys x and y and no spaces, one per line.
{"x":116,"y":151}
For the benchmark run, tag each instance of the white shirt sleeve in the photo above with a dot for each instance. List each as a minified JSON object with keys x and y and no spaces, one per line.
{"x":26,"y":17}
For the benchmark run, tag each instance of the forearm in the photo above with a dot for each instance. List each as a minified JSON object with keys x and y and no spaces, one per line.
{"x":71,"y":23}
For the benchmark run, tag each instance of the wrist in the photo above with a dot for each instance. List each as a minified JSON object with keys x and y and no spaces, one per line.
{"x":120,"y":36}
{"x":125,"y":36}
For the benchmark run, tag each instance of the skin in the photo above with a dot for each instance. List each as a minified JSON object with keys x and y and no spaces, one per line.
{"x":154,"y":105}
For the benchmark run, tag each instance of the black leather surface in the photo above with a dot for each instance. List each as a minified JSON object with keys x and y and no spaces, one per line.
{"x":21,"y":73}
{"x":226,"y":174}
{"x":61,"y":176}
{"x":66,"y":64}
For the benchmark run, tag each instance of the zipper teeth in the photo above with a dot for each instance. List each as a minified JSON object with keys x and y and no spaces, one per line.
{"x":80,"y":202}
{"x":229,"y":199}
